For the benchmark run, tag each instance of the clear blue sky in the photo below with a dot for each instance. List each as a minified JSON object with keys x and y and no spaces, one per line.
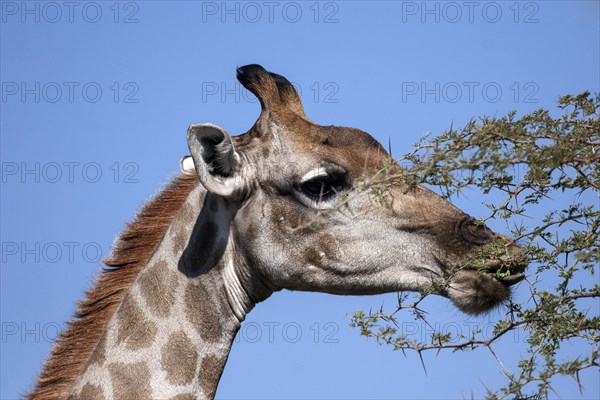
{"x":96,"y":99}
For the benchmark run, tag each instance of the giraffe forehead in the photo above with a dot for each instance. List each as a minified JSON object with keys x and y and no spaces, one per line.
{"x":302,"y":147}
{"x":355,"y":159}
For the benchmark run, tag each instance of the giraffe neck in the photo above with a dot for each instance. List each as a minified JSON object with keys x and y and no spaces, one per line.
{"x":171,"y":335}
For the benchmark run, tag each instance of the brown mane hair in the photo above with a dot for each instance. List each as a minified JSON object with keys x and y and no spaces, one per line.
{"x":131,"y":252}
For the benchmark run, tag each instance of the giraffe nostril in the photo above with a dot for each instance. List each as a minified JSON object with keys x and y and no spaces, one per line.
{"x":475,"y":231}
{"x":507,"y":240}
{"x":513,"y":249}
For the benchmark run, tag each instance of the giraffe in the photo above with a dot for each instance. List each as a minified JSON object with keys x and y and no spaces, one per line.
{"x":235,"y":227}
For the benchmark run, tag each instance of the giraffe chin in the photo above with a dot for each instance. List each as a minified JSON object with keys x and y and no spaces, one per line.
{"x":476,"y":292}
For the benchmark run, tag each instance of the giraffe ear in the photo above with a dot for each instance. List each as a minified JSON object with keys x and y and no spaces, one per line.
{"x":216,"y":162}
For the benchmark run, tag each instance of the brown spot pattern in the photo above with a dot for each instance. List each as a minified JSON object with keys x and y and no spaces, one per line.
{"x":184,"y":396}
{"x":90,"y":392}
{"x":134,"y":329}
{"x":99,"y":354}
{"x":179,"y":359}
{"x":132,"y":250}
{"x":130,"y":381}
{"x":210,"y":373}
{"x":157,"y":285}
{"x":201,"y":312}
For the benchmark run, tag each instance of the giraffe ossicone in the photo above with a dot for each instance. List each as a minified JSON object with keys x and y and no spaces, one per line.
{"x":282,"y":206}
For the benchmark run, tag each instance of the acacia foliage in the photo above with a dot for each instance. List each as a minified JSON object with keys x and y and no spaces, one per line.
{"x":542,"y":176}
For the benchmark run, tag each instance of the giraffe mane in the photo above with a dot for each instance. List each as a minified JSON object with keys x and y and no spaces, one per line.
{"x":130,"y":253}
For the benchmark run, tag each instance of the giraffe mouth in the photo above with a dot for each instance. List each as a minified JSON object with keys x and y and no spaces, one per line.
{"x":477,"y":288}
{"x":504,"y":263}
{"x":511,"y":279}
{"x":506,"y":271}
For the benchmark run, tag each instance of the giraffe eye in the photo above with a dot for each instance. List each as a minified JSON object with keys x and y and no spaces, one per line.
{"x":322,"y":187}
{"x":319,"y":187}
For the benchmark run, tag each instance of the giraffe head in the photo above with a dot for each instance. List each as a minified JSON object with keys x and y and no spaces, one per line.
{"x":298,"y":218}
